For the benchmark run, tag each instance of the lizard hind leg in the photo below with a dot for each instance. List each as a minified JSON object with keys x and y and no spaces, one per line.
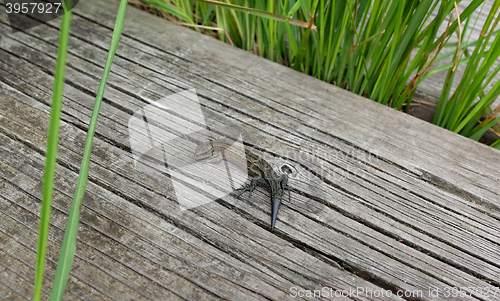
{"x":286,"y":187}
{"x":283,"y":180}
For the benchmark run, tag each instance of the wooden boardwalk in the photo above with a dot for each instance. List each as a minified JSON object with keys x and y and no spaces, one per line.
{"x":387,"y":204}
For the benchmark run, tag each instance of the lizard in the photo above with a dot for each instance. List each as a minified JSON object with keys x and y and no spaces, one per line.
{"x":259,"y":169}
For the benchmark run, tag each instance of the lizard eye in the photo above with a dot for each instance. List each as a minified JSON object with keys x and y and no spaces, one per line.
{"x":286,"y":169}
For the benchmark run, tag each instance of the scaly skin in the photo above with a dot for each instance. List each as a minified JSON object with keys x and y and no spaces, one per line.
{"x":260,"y":171}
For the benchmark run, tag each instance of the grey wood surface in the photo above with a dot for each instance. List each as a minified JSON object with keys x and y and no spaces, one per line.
{"x":385,"y":201}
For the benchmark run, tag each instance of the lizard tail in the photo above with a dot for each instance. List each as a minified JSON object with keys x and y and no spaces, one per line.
{"x":275,"y":203}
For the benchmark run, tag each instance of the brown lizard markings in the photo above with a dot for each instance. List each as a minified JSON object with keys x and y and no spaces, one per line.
{"x":259,"y":169}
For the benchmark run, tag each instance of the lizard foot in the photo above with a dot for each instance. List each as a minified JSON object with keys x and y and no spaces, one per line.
{"x":283,"y":180}
{"x":250,"y":187}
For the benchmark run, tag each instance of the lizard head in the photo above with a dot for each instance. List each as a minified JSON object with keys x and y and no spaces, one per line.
{"x":207,"y":151}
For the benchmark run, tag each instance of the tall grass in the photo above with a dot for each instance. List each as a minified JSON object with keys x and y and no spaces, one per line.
{"x":69,"y":243}
{"x":378,"y":49}
{"x":461,"y":113}
{"x":68,"y":247}
{"x":51,"y":155}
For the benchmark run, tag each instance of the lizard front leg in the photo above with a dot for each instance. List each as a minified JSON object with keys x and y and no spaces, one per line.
{"x":251,"y":186}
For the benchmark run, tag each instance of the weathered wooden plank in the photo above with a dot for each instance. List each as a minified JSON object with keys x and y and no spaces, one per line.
{"x":63,"y":131}
{"x":56,"y":199}
{"x":416,"y":145}
{"x":9,"y":279}
{"x":15,"y":282}
{"x":23,"y":259}
{"x":6,"y":293}
{"x":412,"y":214}
{"x":108,"y":286}
{"x":102,"y":244}
{"x":292,"y":87}
{"x":204,"y":54}
{"x":149,"y":289}
{"x":353,"y":211}
{"x":23,"y":272}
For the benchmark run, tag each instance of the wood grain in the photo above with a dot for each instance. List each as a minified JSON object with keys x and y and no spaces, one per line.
{"x":385,"y":201}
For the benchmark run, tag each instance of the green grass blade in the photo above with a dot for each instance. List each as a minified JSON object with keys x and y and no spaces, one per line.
{"x":479,"y":106}
{"x":463,"y":15}
{"x":410,"y":30}
{"x":479,"y":133}
{"x":174,"y":11}
{"x":52,"y":141}
{"x":260,"y":13}
{"x":445,"y":67}
{"x":496,"y":144}
{"x":294,"y":9}
{"x":69,"y":243}
{"x":291,"y":40}
{"x":463,"y":47}
{"x":303,"y":44}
